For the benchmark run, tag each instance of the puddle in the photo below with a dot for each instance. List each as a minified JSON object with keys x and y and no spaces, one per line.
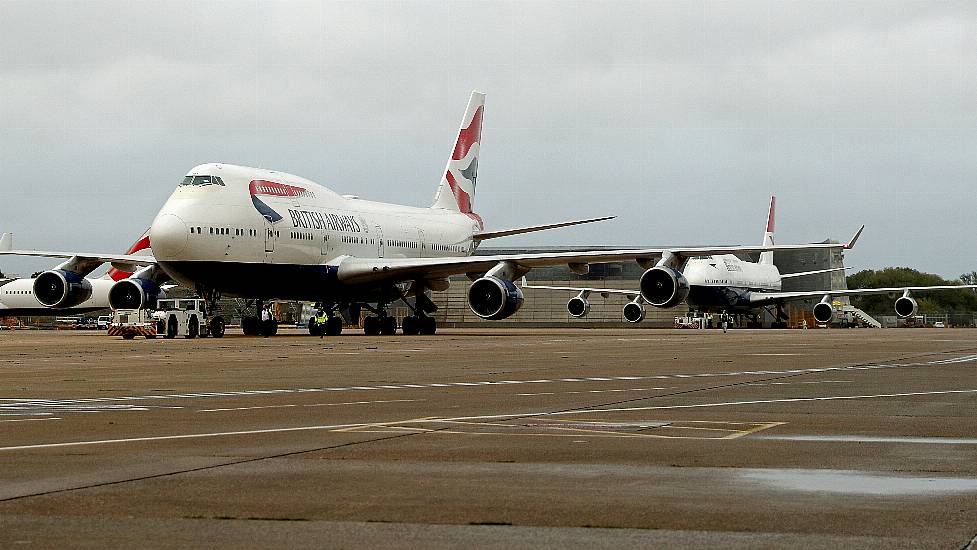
{"x":858,"y":483}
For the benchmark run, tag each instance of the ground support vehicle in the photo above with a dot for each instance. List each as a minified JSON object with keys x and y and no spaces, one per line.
{"x":129,"y":323}
{"x":187,"y":317}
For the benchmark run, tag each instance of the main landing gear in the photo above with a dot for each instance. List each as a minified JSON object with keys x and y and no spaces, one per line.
{"x":252,"y":325}
{"x":419,"y":322}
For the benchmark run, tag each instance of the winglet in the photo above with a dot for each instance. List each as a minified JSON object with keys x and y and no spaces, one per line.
{"x":851,"y":243}
{"x":6,"y":242}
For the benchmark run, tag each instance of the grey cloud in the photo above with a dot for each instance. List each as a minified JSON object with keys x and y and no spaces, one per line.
{"x":681,"y":117}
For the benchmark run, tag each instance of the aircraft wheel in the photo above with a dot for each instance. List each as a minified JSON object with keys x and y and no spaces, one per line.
{"x":410,"y":326}
{"x":428,"y":325}
{"x":251,"y":326}
{"x":371,"y":326}
{"x":217,"y":327}
{"x":334,"y":326}
{"x":193,"y":328}
{"x":388,"y":326}
{"x":171,"y":328}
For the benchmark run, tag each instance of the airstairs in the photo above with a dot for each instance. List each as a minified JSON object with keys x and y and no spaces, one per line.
{"x":861,"y":316}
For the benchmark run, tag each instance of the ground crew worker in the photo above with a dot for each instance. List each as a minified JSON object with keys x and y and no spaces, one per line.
{"x":321,"y":319}
{"x":266,"y":320}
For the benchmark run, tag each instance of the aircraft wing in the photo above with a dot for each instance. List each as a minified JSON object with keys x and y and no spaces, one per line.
{"x":760,"y":298}
{"x":485,"y":235}
{"x":119,"y":261}
{"x":365,"y":270}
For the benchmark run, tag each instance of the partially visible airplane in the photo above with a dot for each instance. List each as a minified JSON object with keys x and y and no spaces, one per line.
{"x":260,"y":234}
{"x":726,"y":284}
{"x":18,"y":296}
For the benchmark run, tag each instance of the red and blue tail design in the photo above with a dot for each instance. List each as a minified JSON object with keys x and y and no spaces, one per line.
{"x":142,"y":245}
{"x":458,"y":184}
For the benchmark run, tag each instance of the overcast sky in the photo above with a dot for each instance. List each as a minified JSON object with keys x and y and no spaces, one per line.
{"x":681,"y":118}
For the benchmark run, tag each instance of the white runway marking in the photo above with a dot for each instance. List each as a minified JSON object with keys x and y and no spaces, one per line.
{"x":874,"y":439}
{"x":31,"y":419}
{"x":314,"y":405}
{"x":177,"y":437}
{"x":38,"y":406}
{"x":589,"y":391}
{"x":720,"y":404}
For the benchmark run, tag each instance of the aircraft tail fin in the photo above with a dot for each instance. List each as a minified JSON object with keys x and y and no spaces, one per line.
{"x":457,"y":188}
{"x":6,"y":242}
{"x":766,"y":258}
{"x":140,"y":248}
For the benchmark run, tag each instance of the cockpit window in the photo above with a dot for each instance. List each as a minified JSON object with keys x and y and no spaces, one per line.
{"x":202,"y":180}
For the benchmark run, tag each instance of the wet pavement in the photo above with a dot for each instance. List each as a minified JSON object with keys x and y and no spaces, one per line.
{"x":500,"y":438}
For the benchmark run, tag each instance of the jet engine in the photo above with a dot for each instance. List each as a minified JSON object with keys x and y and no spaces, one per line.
{"x":664,"y":287}
{"x":824,"y":312}
{"x":578,"y":306}
{"x":906,"y":307}
{"x":134,"y":293}
{"x":61,"y":289}
{"x":634,"y":312}
{"x":494,"y":298}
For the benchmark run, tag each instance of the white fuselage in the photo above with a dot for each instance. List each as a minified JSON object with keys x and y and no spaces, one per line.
{"x":725,"y":282}
{"x":260,"y":233}
{"x":17,"y":299}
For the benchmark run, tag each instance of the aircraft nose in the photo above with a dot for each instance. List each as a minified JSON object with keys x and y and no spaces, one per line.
{"x":168,"y":235}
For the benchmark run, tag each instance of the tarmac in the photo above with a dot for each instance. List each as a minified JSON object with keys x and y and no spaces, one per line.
{"x":492,"y":438}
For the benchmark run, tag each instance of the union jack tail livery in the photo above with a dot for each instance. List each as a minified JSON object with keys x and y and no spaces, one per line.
{"x":457,"y":187}
{"x":766,"y":258}
{"x":140,"y":248}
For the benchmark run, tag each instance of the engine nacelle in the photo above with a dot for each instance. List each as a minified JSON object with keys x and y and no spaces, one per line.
{"x":134,"y":294}
{"x":906,"y":307}
{"x":494,"y":298}
{"x":664,"y":287}
{"x":61,"y":289}
{"x":578,"y":306}
{"x":824,"y":312}
{"x":634,"y":312}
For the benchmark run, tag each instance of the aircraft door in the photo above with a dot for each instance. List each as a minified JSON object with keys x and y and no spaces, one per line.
{"x":422,"y":251}
{"x":270,"y":237}
{"x":325,"y":244}
{"x":379,"y":241}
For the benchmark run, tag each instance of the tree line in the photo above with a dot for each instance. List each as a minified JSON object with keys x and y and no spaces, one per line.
{"x":953,"y":301}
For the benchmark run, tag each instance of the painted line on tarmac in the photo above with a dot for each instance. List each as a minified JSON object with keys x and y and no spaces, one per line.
{"x":31,"y":419}
{"x":178,"y":437}
{"x":314,"y":405}
{"x":35,"y":404}
{"x":720,"y":404}
{"x":873,"y":439}
{"x":616,"y":390}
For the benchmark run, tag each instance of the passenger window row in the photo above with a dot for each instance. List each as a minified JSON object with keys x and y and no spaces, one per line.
{"x":225,"y":231}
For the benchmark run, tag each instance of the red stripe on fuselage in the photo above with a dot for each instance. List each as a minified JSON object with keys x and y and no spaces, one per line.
{"x":263,"y":187}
